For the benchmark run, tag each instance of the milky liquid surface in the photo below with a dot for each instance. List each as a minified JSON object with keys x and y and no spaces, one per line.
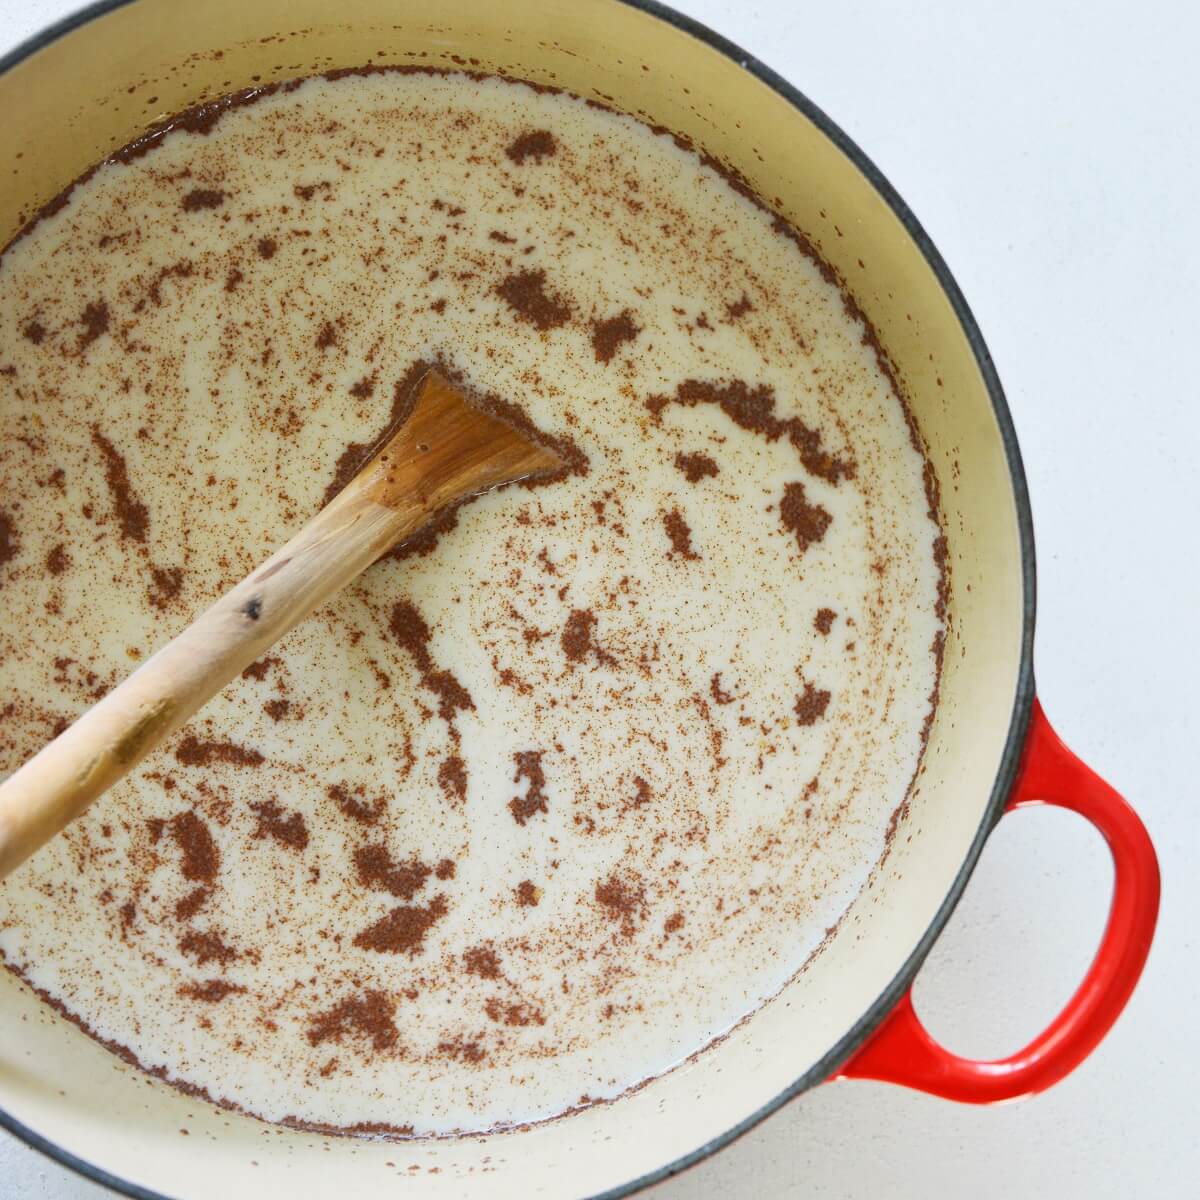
{"x":535,"y":810}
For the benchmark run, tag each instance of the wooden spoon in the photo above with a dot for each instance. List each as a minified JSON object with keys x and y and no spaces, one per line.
{"x":445,"y":452}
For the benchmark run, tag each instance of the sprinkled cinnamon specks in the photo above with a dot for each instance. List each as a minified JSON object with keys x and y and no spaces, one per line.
{"x":364,"y":920}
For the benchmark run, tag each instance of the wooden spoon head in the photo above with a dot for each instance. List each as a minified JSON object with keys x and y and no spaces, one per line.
{"x":448,"y":450}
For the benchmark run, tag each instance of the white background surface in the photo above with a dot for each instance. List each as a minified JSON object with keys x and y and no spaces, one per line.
{"x":1051,"y":149}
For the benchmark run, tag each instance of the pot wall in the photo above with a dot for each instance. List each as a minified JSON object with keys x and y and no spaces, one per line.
{"x":93,"y":90}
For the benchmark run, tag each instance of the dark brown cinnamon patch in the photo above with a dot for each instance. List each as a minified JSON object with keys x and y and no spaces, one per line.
{"x":525,"y":293}
{"x":258,"y":670}
{"x":623,"y":900}
{"x":642,"y":795}
{"x":327,"y":336}
{"x":201,"y":858}
{"x":272,"y":821}
{"x":403,"y":930}
{"x":34,"y":331}
{"x":528,"y":894}
{"x":529,"y":767}
{"x":739,"y":308}
{"x":536,"y":144}
{"x":199,"y":199}
{"x":94,"y":321}
{"x":452,"y":696}
{"x":452,"y":777}
{"x":719,"y":695}
{"x":355,"y":805}
{"x":166,"y":584}
{"x":377,"y":870}
{"x":192,"y":752}
{"x":609,"y":335}
{"x":940,"y":558}
{"x":482,"y":961}
{"x":679,"y":534}
{"x":207,"y":947}
{"x":266,"y":247}
{"x":409,"y":629}
{"x":696,"y":466}
{"x":369,"y":1016}
{"x":811,"y":706}
{"x":188,"y":906}
{"x":132,"y":514}
{"x":823,"y":621}
{"x":212,"y":991}
{"x":808,"y":522}
{"x":753,"y":408}
{"x":517,"y":1013}
{"x":579,"y":638}
{"x":10,"y":542}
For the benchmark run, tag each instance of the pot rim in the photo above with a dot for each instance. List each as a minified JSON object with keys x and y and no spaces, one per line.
{"x":1022,"y":705}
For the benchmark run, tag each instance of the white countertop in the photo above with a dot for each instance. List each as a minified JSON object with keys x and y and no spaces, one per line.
{"x":1049,"y":147}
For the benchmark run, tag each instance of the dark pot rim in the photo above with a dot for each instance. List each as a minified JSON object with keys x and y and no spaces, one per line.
{"x":1022,"y":699}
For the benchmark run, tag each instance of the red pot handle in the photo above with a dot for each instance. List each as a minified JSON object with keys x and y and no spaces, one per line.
{"x":902,"y":1051}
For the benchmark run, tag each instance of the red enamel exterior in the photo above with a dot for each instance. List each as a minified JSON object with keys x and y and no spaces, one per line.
{"x":902,"y":1051}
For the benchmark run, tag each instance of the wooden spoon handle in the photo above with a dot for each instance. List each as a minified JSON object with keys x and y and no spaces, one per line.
{"x":444,"y":452}
{"x":59,"y":782}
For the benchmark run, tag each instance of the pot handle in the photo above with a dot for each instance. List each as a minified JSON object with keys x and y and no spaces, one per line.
{"x":902,"y":1051}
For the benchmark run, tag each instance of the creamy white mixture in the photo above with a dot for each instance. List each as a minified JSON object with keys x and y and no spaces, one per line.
{"x":358,"y":890}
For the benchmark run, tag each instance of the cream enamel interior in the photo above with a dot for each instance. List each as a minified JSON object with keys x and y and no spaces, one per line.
{"x":91,"y":91}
